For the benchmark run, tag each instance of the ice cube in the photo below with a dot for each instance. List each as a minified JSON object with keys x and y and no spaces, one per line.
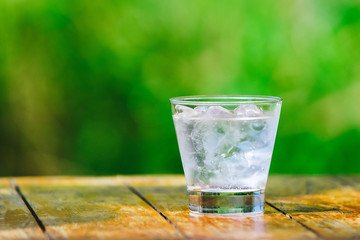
{"x":248,"y":111}
{"x":185,"y":111}
{"x":242,"y":148}
{"x":200,"y":110}
{"x":217,"y":111}
{"x":206,"y":138}
{"x":239,"y":111}
{"x":230,"y":168}
{"x":247,"y":149}
{"x":258,"y":125}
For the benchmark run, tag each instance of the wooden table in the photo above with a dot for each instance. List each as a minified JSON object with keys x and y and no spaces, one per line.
{"x":155,"y":207}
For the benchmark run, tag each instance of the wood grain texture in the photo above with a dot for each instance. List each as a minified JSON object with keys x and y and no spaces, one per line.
{"x":16,"y":222}
{"x":136,"y":180}
{"x":94,"y":210}
{"x":106,"y":208}
{"x":326,"y":204}
{"x":172,"y":201}
{"x":68,"y":181}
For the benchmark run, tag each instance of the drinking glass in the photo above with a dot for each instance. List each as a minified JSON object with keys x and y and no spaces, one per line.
{"x":226,"y":143}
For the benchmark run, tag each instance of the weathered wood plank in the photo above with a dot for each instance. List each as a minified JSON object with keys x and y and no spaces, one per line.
{"x":68,"y":181}
{"x":16,"y":222}
{"x":327,"y":205}
{"x":171,"y":200}
{"x":82,"y":208}
{"x":93,"y":181}
{"x":323,"y":203}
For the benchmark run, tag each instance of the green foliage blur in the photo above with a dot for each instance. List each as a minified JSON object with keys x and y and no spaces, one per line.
{"x":84,"y":85}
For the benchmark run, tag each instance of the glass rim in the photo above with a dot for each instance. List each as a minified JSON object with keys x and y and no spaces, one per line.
{"x":227,"y":99}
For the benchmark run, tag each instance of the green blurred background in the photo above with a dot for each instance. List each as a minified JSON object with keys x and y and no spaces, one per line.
{"x":84,"y":85}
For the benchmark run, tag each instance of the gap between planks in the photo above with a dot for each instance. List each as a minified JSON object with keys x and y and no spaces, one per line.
{"x":137,"y":193}
{"x":341,"y":179}
{"x":297,"y":221}
{"x":47,"y":235}
{"x":31,"y":210}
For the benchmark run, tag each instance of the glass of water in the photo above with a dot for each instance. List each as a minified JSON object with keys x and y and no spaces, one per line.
{"x":226,"y":144}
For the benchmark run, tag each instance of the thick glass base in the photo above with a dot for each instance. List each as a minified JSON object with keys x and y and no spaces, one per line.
{"x":210,"y":202}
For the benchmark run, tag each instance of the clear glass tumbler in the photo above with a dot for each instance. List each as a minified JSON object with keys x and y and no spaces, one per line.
{"x":226,"y":144}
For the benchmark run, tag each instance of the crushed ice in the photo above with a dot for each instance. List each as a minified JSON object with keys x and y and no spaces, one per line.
{"x":219,"y":112}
